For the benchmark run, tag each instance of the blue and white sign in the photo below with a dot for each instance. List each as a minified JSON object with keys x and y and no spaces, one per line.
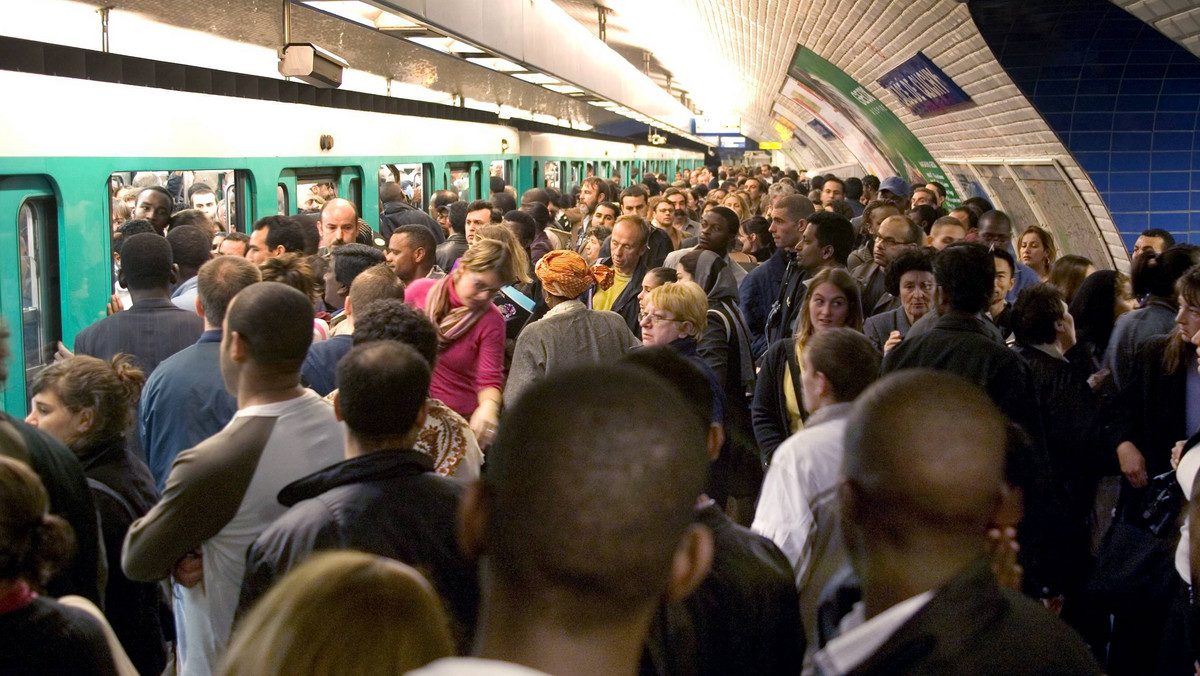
{"x":922,"y":87}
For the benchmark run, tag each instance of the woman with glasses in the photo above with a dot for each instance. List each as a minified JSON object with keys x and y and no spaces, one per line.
{"x":470,"y":372}
{"x":832,"y":301}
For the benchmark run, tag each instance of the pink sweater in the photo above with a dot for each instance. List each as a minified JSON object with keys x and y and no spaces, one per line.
{"x":470,"y":364}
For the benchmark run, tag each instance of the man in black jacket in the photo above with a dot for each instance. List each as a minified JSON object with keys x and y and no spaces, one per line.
{"x":398,"y":212}
{"x":384,"y":498}
{"x":915,"y":521}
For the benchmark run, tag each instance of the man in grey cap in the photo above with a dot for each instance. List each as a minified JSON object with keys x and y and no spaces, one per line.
{"x":895,"y":190}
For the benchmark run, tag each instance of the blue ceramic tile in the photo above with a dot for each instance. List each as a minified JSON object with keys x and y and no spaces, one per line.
{"x":1169,"y":221}
{"x":1129,"y":201}
{"x":1100,"y":104}
{"x":1196,"y":202}
{"x":1129,"y":181}
{"x":1170,"y":161}
{"x":1098,"y":161}
{"x":1196,"y":161}
{"x":1138,"y":103}
{"x":1133,"y":121}
{"x":1172,"y":141}
{"x":1131,"y":223}
{"x":1170,"y":180}
{"x":1169,"y":201}
{"x":1093,"y":141}
{"x":1142,"y":87}
{"x":1099,"y":86}
{"x":1179,"y":102}
{"x":1130,"y":162}
{"x":1056,"y":104}
{"x":1139,"y":56}
{"x":1175,"y":122}
{"x":1062,"y":72}
{"x":1132,"y":141}
{"x":1092,"y":122}
{"x":1060,"y":122}
{"x":1091,"y":71}
{"x":1188,"y":85}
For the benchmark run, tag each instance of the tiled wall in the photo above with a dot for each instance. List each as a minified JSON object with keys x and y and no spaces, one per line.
{"x":1121,"y":96}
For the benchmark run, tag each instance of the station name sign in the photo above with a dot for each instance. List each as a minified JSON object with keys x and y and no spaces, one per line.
{"x":922,"y":87}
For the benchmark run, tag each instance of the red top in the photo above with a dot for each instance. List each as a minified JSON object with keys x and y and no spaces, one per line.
{"x":470,"y":364}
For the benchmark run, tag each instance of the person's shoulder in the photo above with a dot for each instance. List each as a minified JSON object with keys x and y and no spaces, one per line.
{"x":415,"y":292}
{"x":1039,"y":638}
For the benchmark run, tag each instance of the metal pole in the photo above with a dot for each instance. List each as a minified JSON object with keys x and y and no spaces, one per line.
{"x":287,"y":22}
{"x":104,"y":28}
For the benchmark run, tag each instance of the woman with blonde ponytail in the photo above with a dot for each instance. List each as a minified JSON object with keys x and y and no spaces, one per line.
{"x":88,"y":404}
{"x":39,"y":635}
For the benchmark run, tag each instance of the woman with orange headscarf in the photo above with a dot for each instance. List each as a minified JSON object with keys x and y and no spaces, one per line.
{"x":569,"y":334}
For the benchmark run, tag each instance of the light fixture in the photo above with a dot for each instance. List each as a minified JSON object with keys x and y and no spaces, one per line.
{"x":497,"y":64}
{"x":536,"y":78}
{"x":564,"y":89}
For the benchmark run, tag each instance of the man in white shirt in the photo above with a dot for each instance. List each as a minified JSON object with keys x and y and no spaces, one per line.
{"x":798,"y":507}
{"x":579,"y":542}
{"x":924,"y":476}
{"x":221,"y":494}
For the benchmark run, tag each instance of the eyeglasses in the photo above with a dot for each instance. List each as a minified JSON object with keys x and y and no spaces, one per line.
{"x":654,"y":319}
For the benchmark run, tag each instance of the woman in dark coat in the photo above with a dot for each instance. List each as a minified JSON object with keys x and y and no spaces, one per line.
{"x":87,"y":404}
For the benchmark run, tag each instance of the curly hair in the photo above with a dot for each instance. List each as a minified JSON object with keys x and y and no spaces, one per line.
{"x":110,"y":389}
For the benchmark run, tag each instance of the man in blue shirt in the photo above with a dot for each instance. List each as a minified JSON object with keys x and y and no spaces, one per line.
{"x":185,"y":401}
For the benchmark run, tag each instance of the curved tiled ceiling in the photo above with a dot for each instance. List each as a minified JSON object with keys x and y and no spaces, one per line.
{"x":1176,"y":19}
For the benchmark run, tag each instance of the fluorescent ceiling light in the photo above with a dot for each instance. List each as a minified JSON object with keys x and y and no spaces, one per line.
{"x":564,"y":88}
{"x":497,"y":64}
{"x":363,"y":13}
{"x":536,"y":78}
{"x":436,"y":44}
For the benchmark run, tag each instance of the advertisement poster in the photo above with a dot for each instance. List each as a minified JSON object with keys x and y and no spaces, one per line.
{"x":873,"y":133}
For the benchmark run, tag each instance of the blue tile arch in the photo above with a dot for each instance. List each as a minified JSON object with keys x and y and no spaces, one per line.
{"x":1122,"y":97}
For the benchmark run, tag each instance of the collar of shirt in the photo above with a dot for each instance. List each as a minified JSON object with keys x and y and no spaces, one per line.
{"x":565,"y":307}
{"x":1051,"y":350}
{"x":185,"y":286}
{"x":827,"y":413}
{"x":210,"y":336}
{"x":860,"y":637}
{"x":153,"y":304}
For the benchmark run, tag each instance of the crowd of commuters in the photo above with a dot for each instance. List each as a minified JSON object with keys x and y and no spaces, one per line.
{"x":740,"y":422}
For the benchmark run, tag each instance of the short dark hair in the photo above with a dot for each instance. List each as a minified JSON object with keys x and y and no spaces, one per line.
{"x":480,"y":205}
{"x":198,"y":188}
{"x":797,"y":207}
{"x":382,"y":386}
{"x":911,"y":259}
{"x":664,"y":274}
{"x":393,"y":319}
{"x":972,"y":215}
{"x":1037,"y":309}
{"x":419,"y":237}
{"x":830,"y":178}
{"x":349,"y":260}
{"x":158,"y":189}
{"x":535,"y":195}
{"x":375,"y":283}
{"x":1156,"y":274}
{"x":849,"y":360}
{"x":1167,"y":238}
{"x":504,"y":202}
{"x":982,"y":204}
{"x":443,"y":198}
{"x":871,"y":181}
{"x":941,"y":189}
{"x":528,"y":228}
{"x":191,"y":247}
{"x":458,"y":217}
{"x":925,"y":216}
{"x":732,"y":224}
{"x":236,"y":237}
{"x":134,"y":226}
{"x":391,"y":191}
{"x":634,"y":190}
{"x":146,"y":261}
{"x":594,"y":526}
{"x":968,"y":274}
{"x":680,"y":373}
{"x":219,"y":280}
{"x":282,"y":230}
{"x":496,"y":184}
{"x":310,"y":228}
{"x":276,"y":321}
{"x":188,"y":217}
{"x":835,"y":231}
{"x":1003,"y":255}
{"x":854,"y":188}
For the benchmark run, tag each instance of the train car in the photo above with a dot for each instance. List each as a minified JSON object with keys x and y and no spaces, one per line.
{"x":98,"y":122}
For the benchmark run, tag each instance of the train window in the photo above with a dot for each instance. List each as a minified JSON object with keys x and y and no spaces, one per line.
{"x":38,"y":242}
{"x":460,"y":180}
{"x":219,"y":193}
{"x":503,"y":169}
{"x":283,"y":199}
{"x":411,"y":178}
{"x":552,"y":176}
{"x":537,"y":175}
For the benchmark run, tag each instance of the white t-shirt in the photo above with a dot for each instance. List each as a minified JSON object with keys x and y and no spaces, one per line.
{"x":1185,"y":474}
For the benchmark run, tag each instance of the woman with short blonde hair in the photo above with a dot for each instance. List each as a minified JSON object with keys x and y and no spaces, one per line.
{"x":683,"y":302}
{"x":342,"y":612}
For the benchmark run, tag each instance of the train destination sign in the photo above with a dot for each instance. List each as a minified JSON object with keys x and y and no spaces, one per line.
{"x":922,"y":87}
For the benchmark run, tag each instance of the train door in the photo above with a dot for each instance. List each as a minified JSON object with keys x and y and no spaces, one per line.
{"x":30,"y":300}
{"x":463,"y":179}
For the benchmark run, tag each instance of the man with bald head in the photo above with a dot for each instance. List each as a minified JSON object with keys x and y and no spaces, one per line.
{"x":339,"y":222}
{"x":915,"y":519}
